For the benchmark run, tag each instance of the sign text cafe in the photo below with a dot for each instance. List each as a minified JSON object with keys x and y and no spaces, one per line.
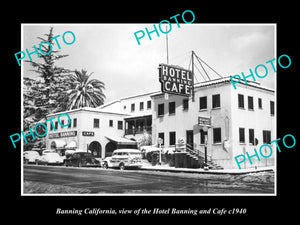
{"x":176,"y":80}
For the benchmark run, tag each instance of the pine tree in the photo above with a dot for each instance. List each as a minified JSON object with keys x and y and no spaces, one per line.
{"x":41,"y":97}
{"x":47,"y":95}
{"x":60,"y":89}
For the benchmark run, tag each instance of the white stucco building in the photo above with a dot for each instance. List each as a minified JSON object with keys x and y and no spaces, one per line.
{"x":117,"y":124}
{"x":90,"y":129}
{"x":241,"y":119}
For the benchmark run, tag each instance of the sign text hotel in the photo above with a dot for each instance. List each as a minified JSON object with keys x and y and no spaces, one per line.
{"x":175,"y":80}
{"x":63,"y":134}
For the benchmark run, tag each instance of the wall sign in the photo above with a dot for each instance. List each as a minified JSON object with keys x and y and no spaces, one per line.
{"x":176,"y":80}
{"x":88,"y":133}
{"x":204,"y":121}
{"x":63,"y":134}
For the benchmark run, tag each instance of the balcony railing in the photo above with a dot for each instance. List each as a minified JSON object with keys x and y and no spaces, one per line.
{"x":138,"y":130}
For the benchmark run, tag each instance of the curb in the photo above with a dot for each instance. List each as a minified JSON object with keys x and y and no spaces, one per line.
{"x":218,"y":172}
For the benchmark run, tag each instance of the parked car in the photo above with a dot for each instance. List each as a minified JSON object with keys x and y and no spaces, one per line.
{"x":80,"y":159}
{"x":50,"y":158}
{"x":48,"y":150}
{"x":124,"y":158}
{"x":31,"y":156}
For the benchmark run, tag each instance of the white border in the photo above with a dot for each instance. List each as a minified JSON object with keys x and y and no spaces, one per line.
{"x":174,"y":194}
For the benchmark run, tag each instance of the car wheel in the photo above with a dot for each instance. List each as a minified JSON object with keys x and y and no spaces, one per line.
{"x":105,"y":165}
{"x":26,"y":161}
{"x":122,"y":166}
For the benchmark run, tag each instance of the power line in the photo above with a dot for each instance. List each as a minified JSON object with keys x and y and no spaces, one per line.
{"x":199,"y":72}
{"x":203,"y":68}
{"x":208,"y":66}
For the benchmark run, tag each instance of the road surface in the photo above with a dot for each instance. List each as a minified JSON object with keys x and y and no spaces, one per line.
{"x":98,"y":180}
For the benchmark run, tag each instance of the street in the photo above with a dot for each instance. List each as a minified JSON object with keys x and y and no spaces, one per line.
{"x":101,"y":181}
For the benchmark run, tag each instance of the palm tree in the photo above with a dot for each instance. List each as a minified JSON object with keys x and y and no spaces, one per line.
{"x":84,"y":92}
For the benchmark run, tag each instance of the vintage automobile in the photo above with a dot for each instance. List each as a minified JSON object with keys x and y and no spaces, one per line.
{"x":31,"y":157}
{"x":50,"y":157}
{"x":81,"y":159}
{"x":124,"y":158}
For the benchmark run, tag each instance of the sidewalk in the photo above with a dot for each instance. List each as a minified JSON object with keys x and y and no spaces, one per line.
{"x":166,"y":168}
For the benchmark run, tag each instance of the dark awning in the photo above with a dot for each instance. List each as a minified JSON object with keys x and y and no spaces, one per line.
{"x":58,"y":144}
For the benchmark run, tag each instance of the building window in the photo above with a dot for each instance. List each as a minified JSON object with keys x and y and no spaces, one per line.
{"x":120,"y":125}
{"x":251,"y":136}
{"x":149,"y":104}
{"x":217,"y":135}
{"x":242,"y":135}
{"x":259,"y":103}
{"x":124,"y":107}
{"x":162,"y":136}
{"x":74,"y":122}
{"x":161,"y":109}
{"x":172,"y":138}
{"x":185,"y":104}
{"x":63,"y":123}
{"x":171,"y":108}
{"x":250,"y":103}
{"x":70,"y":124}
{"x":96,"y":123}
{"x":272,"y":108}
{"x":132,"y":107}
{"x":111,"y":123}
{"x":216,"y":101}
{"x":203,"y":102}
{"x":266,"y":136}
{"x":51,"y":127}
{"x":141,"y":106}
{"x":241,"y":101}
{"x":56,"y":125}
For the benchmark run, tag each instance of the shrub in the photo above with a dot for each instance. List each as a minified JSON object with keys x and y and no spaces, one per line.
{"x":153,"y":157}
{"x":170,"y":159}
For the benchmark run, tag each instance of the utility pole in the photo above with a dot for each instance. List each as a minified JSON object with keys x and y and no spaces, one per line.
{"x":193,"y":91}
{"x":167,"y":46}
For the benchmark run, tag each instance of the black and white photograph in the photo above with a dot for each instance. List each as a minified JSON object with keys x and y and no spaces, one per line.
{"x":188,"y":110}
{"x":153,"y":114}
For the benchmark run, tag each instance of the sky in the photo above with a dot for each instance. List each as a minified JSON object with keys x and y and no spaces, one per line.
{"x":111,"y":52}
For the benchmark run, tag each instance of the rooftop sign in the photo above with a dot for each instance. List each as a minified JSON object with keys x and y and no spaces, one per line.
{"x":175,"y":80}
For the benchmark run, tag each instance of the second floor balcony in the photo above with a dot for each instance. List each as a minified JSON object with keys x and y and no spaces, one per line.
{"x":139,"y":130}
{"x":138,"y":125}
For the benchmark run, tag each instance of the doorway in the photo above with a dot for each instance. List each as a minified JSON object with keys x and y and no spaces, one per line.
{"x":95,"y":148}
{"x":109,"y":148}
{"x":190,"y":139}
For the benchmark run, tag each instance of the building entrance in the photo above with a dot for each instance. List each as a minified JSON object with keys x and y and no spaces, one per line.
{"x":95,"y":148}
{"x":109,"y":148}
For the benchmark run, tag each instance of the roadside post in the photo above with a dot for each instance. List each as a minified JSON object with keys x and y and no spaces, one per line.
{"x":159,"y":140}
{"x":205,"y":123}
{"x":205,"y":129}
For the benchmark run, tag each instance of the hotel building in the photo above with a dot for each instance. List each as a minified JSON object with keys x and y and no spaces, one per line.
{"x":118,"y":124}
{"x":240,"y":120}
